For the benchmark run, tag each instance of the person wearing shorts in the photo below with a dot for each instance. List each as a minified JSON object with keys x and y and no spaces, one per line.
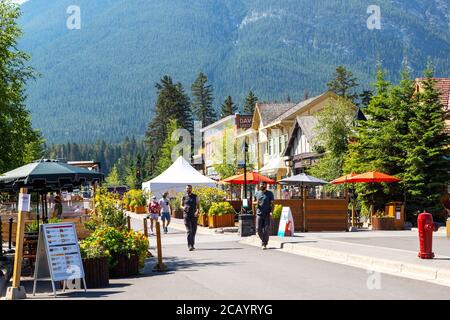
{"x":166,"y":210}
{"x":153,"y":209}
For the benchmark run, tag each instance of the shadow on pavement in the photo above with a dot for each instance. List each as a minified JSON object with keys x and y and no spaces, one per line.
{"x":296,"y":242}
{"x":174,"y":263}
{"x":218,"y":249}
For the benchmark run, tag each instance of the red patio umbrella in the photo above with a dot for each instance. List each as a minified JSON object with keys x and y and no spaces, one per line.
{"x":370,"y":177}
{"x":373,"y":176}
{"x":252,"y":178}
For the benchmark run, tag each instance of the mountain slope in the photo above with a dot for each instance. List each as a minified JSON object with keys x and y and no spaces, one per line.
{"x":98,"y":82}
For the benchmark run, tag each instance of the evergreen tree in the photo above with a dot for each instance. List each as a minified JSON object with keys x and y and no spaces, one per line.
{"x":427,"y":170}
{"x":19,"y":143}
{"x":172,"y":103}
{"x":113,"y":179}
{"x":202,"y":104}
{"x":130,"y":171}
{"x":250,"y":103}
{"x":165,"y":159}
{"x":372,"y":146}
{"x":228,"y":108}
{"x":344,"y":84}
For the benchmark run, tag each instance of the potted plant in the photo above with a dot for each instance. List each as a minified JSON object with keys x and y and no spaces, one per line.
{"x":380,"y":222}
{"x":32,"y":230}
{"x":221,"y":214}
{"x":208,"y":196}
{"x":175,"y":202}
{"x":95,"y":263}
{"x":275,"y":219}
{"x":127,"y":250}
{"x":140,"y":202}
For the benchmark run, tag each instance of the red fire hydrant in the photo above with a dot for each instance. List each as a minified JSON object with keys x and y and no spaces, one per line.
{"x":425,"y":226}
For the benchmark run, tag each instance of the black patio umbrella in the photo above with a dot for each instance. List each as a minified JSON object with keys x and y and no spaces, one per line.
{"x":47,"y":175}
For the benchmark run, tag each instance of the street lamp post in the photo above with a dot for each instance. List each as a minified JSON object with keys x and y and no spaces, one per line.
{"x":245,"y":169}
{"x":152,"y":159}
{"x":246,"y":223}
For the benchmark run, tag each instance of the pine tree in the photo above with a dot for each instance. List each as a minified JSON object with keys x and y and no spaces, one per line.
{"x":228,"y":108}
{"x":344,"y":84}
{"x":202,"y":104}
{"x":165,"y":160}
{"x":172,"y":103}
{"x":372,"y":146}
{"x":426,"y":174}
{"x":113,"y":179}
{"x":250,"y":103}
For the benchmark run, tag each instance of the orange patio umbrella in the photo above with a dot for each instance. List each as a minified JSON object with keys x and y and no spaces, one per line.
{"x":373,"y":176}
{"x":252,"y":178}
{"x":344,"y":179}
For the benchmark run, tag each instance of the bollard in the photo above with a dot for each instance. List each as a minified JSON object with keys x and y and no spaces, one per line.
{"x":160,"y":266}
{"x":149,"y":254}
{"x":11,"y":220}
{"x":448,"y":228}
{"x":145,"y":228}
{"x":129,"y":223}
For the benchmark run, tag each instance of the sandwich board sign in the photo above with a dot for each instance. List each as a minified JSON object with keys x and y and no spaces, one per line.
{"x":58,"y":256}
{"x":286,"y":228}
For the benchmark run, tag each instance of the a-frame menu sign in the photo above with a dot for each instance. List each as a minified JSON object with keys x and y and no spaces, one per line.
{"x":58,"y":255}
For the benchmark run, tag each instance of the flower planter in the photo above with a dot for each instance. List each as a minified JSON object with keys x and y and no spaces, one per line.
{"x":125,"y":267}
{"x":203,"y":219}
{"x":96,"y":272}
{"x":140,"y":209}
{"x":274,"y":226}
{"x":221,"y":221}
{"x":383,"y":223}
{"x":177,"y":214}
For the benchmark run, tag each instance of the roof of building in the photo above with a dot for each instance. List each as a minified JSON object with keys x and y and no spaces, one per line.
{"x":443,"y":85}
{"x":271,"y":111}
{"x":298,"y":107}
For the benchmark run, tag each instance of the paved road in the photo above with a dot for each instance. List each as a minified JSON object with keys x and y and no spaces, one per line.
{"x":221,"y":268}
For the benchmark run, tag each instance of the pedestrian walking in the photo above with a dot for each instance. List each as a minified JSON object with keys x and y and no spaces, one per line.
{"x":58,"y":206}
{"x":263,"y":200}
{"x":166,"y":210}
{"x":153,"y":209}
{"x":190,"y":205}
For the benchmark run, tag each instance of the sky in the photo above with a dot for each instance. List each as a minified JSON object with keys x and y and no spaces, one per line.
{"x":19,"y":1}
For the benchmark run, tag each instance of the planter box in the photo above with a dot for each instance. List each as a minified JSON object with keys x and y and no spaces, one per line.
{"x":216,"y":221}
{"x":125,"y":267}
{"x":177,"y":214}
{"x":383,"y":223}
{"x":96,"y":272}
{"x":274,"y":225}
{"x":203,"y":219}
{"x":140,"y":209}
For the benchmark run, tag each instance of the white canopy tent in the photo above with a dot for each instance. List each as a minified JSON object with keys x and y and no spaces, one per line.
{"x":175,"y":179}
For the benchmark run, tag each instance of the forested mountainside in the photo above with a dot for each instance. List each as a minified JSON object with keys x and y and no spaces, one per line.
{"x":98,"y":82}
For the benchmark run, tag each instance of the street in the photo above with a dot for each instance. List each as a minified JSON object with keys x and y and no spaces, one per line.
{"x":222,"y":268}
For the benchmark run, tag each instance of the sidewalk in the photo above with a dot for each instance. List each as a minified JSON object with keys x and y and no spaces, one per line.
{"x":178,"y":224}
{"x":392,"y":252}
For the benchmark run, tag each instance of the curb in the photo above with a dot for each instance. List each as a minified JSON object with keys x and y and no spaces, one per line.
{"x":396,"y":268}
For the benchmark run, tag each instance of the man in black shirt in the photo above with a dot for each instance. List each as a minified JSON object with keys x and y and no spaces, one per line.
{"x":190,"y":205}
{"x":264,"y":201}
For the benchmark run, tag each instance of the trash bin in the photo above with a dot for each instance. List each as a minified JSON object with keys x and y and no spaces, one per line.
{"x":246,"y":225}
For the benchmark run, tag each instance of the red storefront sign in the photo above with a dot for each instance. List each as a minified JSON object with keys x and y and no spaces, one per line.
{"x":243,"y":121}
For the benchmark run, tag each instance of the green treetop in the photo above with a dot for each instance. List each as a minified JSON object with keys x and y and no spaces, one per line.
{"x":202,"y":104}
{"x":228,"y":108}
{"x":250,"y":102}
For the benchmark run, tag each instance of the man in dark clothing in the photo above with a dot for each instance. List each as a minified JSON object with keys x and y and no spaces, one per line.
{"x":264,"y":202}
{"x":190,"y":205}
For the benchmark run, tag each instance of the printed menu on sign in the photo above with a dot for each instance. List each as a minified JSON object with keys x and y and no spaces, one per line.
{"x":63,"y":251}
